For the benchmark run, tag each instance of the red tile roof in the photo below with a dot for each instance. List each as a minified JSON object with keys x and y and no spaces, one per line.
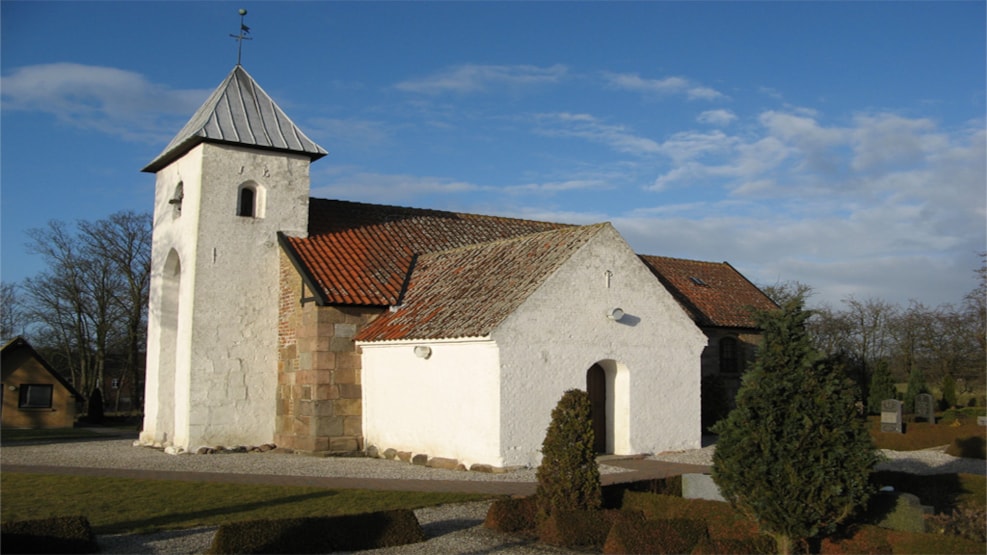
{"x":360,"y":254}
{"x":375,"y":255}
{"x":714,"y":293}
{"x":467,"y":292}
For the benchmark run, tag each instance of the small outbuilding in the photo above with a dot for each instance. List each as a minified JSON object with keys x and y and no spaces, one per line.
{"x":35,"y":395}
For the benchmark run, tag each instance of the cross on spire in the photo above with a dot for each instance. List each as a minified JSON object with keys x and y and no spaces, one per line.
{"x":240,"y":38}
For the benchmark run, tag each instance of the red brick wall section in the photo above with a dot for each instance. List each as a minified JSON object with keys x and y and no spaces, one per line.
{"x":319,"y":401}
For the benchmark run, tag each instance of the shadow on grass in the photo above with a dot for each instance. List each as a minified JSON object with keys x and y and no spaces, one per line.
{"x":941,"y":491}
{"x":204,"y":517}
{"x":970,"y":447}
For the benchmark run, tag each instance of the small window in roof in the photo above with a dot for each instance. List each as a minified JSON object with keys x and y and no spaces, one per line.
{"x":698,"y":281}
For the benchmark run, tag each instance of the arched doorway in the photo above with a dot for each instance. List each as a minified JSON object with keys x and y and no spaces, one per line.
{"x":596,"y":387}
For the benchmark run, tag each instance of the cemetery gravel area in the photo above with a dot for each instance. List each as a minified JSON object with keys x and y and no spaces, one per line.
{"x":451,"y":528}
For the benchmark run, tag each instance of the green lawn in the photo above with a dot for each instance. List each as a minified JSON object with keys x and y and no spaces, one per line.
{"x":116,"y":505}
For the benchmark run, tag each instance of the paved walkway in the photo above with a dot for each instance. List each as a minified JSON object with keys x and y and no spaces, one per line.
{"x":638,"y":469}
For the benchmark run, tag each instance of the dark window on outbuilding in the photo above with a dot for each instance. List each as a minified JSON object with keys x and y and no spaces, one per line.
{"x":729,"y":356}
{"x":35,"y":396}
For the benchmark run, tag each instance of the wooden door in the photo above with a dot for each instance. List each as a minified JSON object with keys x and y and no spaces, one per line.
{"x":596,"y":387}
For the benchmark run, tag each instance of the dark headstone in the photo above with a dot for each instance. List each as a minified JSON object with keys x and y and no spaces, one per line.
{"x":925,"y":408}
{"x":891,"y":416}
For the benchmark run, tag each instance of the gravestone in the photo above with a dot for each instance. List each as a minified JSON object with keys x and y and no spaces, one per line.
{"x":925,"y":408}
{"x":891,"y":416}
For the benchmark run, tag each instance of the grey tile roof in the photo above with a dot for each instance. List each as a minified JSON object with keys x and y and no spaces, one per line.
{"x":238,"y":112}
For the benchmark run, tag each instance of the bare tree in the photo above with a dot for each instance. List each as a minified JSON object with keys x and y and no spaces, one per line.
{"x":11,"y":317}
{"x":88,"y":306}
{"x":124,"y":239}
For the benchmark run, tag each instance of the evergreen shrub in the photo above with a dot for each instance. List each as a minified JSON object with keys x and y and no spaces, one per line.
{"x":95,"y":412}
{"x":66,"y":534}
{"x":581,"y":528}
{"x":568,"y":476}
{"x":949,"y":398}
{"x":319,"y":534}
{"x":882,"y":387}
{"x":510,"y":514}
{"x":793,"y":453}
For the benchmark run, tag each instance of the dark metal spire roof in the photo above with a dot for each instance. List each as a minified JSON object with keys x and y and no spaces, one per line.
{"x":239,"y":112}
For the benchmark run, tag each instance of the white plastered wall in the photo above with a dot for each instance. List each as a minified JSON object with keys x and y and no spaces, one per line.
{"x":651,"y":356}
{"x":225,"y":369}
{"x":489,"y":400}
{"x":446,"y":405}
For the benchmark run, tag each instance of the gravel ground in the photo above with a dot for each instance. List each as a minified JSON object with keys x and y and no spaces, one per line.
{"x":927,"y":461}
{"x":450,"y":528}
{"x":454,"y":528}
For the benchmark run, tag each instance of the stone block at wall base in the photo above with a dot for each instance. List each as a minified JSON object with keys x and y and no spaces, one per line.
{"x":344,"y":444}
{"x":700,"y":486}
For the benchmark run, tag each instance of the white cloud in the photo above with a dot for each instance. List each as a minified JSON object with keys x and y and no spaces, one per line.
{"x":662,"y":87}
{"x":716,"y":117}
{"x":471,"y":78}
{"x":552,"y":187}
{"x":897,"y":211}
{"x":354,"y":184}
{"x":106,"y":99}
{"x":883,"y":141}
{"x":588,"y":127}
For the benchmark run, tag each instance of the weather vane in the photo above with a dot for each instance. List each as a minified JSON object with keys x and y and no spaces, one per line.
{"x":240,"y":38}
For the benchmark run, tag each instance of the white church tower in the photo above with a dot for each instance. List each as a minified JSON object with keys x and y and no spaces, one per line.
{"x":233,"y":177}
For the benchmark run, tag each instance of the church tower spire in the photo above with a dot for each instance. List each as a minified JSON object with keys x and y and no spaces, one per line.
{"x":235,"y":176}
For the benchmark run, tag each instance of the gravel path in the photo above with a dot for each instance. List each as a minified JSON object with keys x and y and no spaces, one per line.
{"x":927,"y":461}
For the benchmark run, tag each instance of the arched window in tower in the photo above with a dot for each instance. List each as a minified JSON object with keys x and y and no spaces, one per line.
{"x":729,"y":356}
{"x":250,"y":201}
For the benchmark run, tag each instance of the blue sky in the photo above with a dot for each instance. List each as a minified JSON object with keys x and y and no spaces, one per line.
{"x":838,"y":144}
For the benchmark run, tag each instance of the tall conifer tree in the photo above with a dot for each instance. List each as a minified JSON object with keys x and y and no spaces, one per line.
{"x":794,"y":454}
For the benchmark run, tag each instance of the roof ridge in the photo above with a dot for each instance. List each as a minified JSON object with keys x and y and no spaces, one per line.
{"x":682,"y":259}
{"x":519,"y":238}
{"x":436,"y":211}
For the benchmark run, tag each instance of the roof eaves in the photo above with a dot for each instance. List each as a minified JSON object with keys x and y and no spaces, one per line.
{"x":302,"y":269}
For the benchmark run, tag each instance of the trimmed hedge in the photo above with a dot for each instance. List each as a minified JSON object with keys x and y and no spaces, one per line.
{"x":722,"y":520}
{"x":613,"y":494}
{"x":667,"y":536}
{"x":757,"y":545}
{"x":66,"y":534}
{"x":514,"y":514}
{"x":874,"y":540}
{"x":319,"y":534}
{"x":581,"y":528}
